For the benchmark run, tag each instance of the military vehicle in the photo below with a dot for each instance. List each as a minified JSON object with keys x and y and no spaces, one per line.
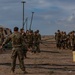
{"x":6,"y":33}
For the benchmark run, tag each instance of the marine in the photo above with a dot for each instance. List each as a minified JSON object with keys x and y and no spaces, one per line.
{"x":24,"y":47}
{"x":37,"y":41}
{"x":29,"y":40}
{"x":17,"y":51}
{"x":58,"y":39}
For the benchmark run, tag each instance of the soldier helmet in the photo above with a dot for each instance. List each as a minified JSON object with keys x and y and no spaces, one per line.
{"x":58,"y":30}
{"x":73,"y":31}
{"x":16,"y":28}
{"x":37,"y":31}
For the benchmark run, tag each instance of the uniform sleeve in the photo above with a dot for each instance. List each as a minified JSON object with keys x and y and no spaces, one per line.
{"x":7,"y":40}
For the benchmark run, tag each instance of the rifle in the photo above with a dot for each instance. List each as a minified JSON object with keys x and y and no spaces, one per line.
{"x":44,"y":44}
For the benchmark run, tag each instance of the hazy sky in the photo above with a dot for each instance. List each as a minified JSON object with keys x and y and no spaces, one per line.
{"x":49,"y":16}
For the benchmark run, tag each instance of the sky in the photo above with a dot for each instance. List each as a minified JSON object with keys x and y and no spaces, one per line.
{"x":49,"y":16}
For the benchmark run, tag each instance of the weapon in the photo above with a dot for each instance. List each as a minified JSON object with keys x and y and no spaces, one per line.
{"x":45,"y":45}
{"x":5,"y":47}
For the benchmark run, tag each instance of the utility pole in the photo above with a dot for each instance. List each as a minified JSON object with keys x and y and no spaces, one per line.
{"x":31,"y":21}
{"x":26,"y":22}
{"x":23,"y":13}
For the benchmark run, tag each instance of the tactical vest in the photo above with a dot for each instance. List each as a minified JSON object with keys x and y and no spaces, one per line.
{"x":16,"y":39}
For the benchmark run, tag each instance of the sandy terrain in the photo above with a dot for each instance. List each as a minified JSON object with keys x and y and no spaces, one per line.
{"x":50,"y":61}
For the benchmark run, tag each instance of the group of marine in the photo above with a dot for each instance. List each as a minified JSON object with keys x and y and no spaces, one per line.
{"x":64,"y":40}
{"x":32,"y":40}
{"x":21,"y":43}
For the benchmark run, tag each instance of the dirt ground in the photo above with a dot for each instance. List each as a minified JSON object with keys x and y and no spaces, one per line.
{"x":51,"y":61}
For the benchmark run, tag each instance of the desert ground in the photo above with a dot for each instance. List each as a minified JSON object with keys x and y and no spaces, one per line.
{"x":51,"y":61}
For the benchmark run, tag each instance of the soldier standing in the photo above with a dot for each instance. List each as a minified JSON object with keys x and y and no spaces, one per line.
{"x":17,"y":51}
{"x":25,"y":45}
{"x":63,"y":40}
{"x":37,"y":40}
{"x":58,"y":39}
{"x":29,"y":38}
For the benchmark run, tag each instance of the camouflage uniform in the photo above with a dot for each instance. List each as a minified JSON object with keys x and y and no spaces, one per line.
{"x":27,"y":33}
{"x":67,"y":41}
{"x":63,"y":37}
{"x":29,"y":40}
{"x":37,"y":40}
{"x":58,"y":39}
{"x":24,"y":47}
{"x":17,"y":42}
